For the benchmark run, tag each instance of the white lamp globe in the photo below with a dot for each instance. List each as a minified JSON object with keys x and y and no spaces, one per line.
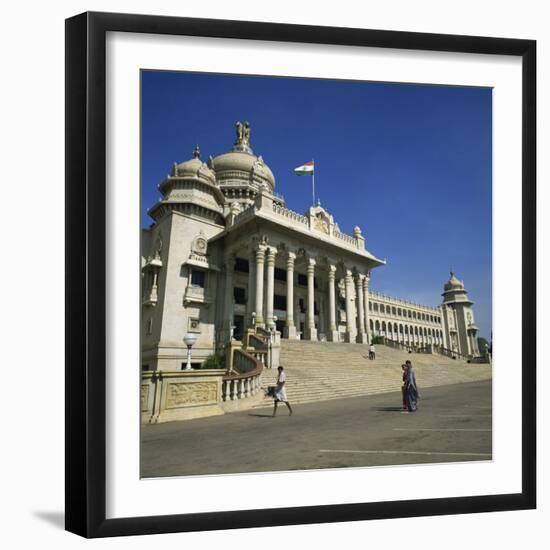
{"x":189,"y":340}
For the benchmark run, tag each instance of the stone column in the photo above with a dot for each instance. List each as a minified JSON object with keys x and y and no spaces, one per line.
{"x":251,"y":302}
{"x":260,"y":259}
{"x":350,"y":335}
{"x":332,"y":335}
{"x":271,"y":253}
{"x":366,"y":307}
{"x":311,"y":331}
{"x":361,"y":333}
{"x":290,"y":329}
{"x":229,"y":298}
{"x":322,"y":323}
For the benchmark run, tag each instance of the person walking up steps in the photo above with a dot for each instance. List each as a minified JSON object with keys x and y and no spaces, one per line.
{"x":372,"y":352}
{"x":280,"y":392}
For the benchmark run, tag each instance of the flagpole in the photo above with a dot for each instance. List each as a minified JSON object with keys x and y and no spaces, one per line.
{"x":313,"y":182}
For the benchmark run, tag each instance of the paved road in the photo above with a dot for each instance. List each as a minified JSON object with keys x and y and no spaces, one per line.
{"x":453,"y":424}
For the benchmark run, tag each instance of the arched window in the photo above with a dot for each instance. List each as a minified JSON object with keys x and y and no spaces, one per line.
{"x":377,"y":327}
{"x":371,"y":325}
{"x":393,"y":311}
{"x":375,"y":307}
{"x":384,"y":326}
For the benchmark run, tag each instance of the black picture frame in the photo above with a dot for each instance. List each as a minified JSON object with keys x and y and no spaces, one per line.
{"x":86,"y":278}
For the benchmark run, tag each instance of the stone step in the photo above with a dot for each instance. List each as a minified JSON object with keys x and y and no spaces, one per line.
{"x":322,"y":371}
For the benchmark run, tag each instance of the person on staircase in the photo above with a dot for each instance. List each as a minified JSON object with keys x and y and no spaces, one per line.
{"x":280,"y":392}
{"x":372,"y":352}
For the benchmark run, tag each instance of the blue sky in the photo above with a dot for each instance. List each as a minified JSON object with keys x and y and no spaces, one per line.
{"x":410,"y":164}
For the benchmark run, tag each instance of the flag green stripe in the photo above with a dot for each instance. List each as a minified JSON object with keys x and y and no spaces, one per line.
{"x":299,"y":172}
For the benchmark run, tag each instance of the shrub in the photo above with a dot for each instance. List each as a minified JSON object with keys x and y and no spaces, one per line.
{"x":214,"y":361}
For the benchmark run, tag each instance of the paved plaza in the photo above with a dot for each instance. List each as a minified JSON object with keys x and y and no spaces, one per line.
{"x":453,"y":424}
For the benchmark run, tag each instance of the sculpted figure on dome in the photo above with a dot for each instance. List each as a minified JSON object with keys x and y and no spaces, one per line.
{"x":243,"y":133}
{"x":246,"y":133}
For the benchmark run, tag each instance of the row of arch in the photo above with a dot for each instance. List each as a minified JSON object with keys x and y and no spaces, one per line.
{"x":375,"y":307}
{"x":409,"y":334}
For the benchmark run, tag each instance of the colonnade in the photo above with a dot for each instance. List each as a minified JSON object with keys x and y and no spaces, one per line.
{"x":262,"y":261}
{"x":410,"y":334}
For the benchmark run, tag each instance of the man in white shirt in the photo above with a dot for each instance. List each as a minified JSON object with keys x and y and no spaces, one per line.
{"x":372,"y":352}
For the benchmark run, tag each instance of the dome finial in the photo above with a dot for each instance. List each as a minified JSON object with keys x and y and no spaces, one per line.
{"x":197,"y":152}
{"x":243,"y":133}
{"x":242,"y":142}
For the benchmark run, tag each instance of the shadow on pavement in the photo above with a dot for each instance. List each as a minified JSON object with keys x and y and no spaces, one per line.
{"x":389,"y":409}
{"x":262,"y":415}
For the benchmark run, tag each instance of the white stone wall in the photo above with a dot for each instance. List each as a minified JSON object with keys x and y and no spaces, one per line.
{"x":172,"y":316}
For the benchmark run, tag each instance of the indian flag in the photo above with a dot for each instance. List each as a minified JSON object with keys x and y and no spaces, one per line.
{"x":305,"y":170}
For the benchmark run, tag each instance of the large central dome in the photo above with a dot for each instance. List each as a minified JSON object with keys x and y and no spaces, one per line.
{"x":240,"y":166}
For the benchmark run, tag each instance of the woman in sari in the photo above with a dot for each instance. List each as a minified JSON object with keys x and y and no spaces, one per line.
{"x":411,"y":389}
{"x":404,"y":386}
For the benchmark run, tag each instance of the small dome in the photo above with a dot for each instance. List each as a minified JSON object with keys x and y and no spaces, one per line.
{"x":453,"y":284}
{"x":195,"y":168}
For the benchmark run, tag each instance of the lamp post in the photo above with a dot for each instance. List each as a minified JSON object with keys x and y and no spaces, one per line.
{"x":272,"y":329}
{"x":189,"y":340}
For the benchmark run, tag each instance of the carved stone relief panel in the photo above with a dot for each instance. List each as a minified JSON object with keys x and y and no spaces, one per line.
{"x":186,"y":394}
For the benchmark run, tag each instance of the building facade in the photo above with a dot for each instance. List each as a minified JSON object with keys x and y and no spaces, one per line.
{"x":225,"y":255}
{"x":450,"y":326}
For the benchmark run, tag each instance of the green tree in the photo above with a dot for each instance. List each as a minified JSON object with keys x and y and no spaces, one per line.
{"x":214,"y":361}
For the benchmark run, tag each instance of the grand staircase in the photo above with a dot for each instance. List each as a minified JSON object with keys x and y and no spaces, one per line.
{"x":319,"y":371}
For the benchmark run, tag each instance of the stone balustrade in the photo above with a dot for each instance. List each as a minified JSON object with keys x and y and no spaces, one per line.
{"x":399,"y":301}
{"x":244,"y":383}
{"x":348,"y":239}
{"x":257,"y":343}
{"x":291,"y":215}
{"x":244,"y":214}
{"x":304,"y":220}
{"x":196,"y":393}
{"x":453,"y":354}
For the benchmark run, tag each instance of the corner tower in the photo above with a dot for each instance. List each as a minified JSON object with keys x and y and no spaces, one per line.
{"x":458,"y":318}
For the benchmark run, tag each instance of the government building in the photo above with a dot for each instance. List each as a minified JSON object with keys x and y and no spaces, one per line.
{"x":225,"y":260}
